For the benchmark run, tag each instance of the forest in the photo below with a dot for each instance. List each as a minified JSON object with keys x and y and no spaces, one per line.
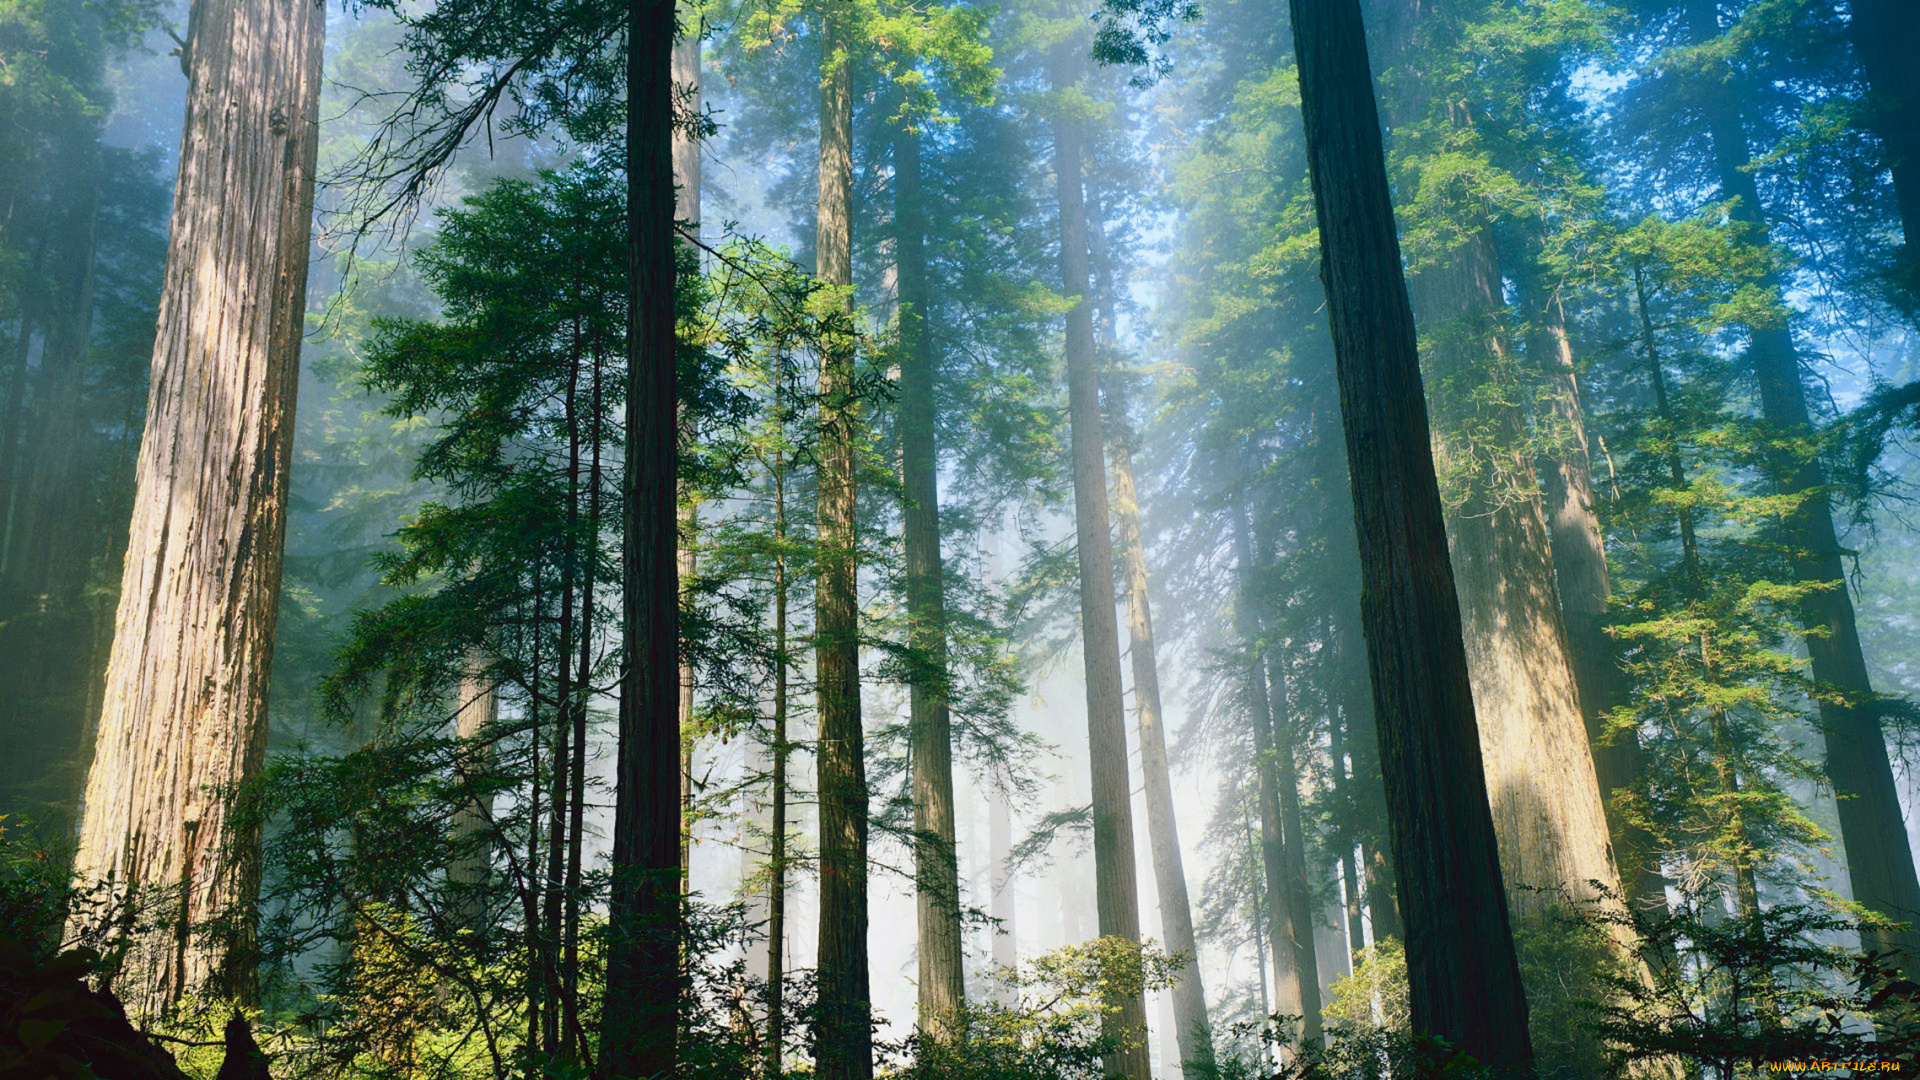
{"x":959,"y":540}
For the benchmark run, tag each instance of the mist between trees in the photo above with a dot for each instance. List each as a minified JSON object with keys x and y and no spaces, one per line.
{"x":1200,"y":539}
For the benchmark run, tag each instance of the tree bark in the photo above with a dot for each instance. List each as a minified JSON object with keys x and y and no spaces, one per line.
{"x":1580,"y":570}
{"x":1116,"y":892}
{"x":184,"y":719}
{"x":472,"y":826}
{"x":1193,"y":1033}
{"x":777,"y":827}
{"x":1886,"y":35}
{"x":1879,"y":859}
{"x":942,"y":973}
{"x":686,"y":209}
{"x":1463,"y":978}
{"x":642,"y":1005}
{"x":1533,"y":740}
{"x":844,"y":1039}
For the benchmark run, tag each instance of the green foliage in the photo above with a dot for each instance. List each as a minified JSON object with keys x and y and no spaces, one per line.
{"x":1737,"y":991}
{"x":1045,"y":1019}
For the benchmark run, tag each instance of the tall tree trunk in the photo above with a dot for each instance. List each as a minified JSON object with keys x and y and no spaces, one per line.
{"x":1886,"y":34}
{"x":686,"y":209}
{"x":1533,"y":740}
{"x":1879,"y":858}
{"x":1193,"y":1033}
{"x":777,"y":828}
{"x":583,"y":674}
{"x":1293,"y":836}
{"x":1463,"y":978}
{"x":472,"y":826}
{"x":1116,"y":893}
{"x":1368,"y":790}
{"x":936,"y":869}
{"x":1580,"y":571}
{"x":1293,"y":981}
{"x":185,"y":707}
{"x":1355,"y":927}
{"x":844,"y":1039}
{"x":642,"y":1005}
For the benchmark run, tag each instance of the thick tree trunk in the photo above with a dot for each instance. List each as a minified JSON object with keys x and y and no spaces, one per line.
{"x":1116,"y":892}
{"x":1533,"y":739}
{"x":1879,"y":859}
{"x":1886,"y":34}
{"x":936,"y":870}
{"x":844,"y":1039}
{"x":185,"y":707}
{"x":1462,"y":974}
{"x":1580,"y":570}
{"x":642,"y":1005}
{"x":1192,"y":1032}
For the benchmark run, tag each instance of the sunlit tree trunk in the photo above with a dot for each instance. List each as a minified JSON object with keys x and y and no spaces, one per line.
{"x":1463,"y":978}
{"x":1533,"y":739}
{"x":1879,"y":859}
{"x":1192,"y":1033}
{"x":1116,"y":892}
{"x":184,"y":718}
{"x":686,"y":209}
{"x":642,"y":1003}
{"x":1580,"y":571}
{"x":942,"y":978}
{"x":844,"y":1038}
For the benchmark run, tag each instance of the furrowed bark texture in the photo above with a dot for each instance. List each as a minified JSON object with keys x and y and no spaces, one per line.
{"x":1580,"y":570}
{"x":1193,"y":1034}
{"x":184,"y":714}
{"x":1116,"y":892}
{"x":1463,"y":977}
{"x":642,"y":1004}
{"x":1365,"y":792}
{"x":942,"y":981}
{"x":1879,"y":859}
{"x":1533,"y":739}
{"x":844,"y":1040}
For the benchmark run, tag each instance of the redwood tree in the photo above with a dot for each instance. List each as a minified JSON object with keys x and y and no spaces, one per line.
{"x":642,"y":990}
{"x":184,"y":716}
{"x":1462,"y":973}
